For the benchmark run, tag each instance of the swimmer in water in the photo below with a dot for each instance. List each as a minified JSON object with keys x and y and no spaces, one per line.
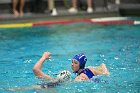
{"x":78,"y":66}
{"x":61,"y":77}
{"x":47,"y":81}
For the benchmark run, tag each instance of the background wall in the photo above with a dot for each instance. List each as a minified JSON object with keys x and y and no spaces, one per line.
{"x":39,"y":6}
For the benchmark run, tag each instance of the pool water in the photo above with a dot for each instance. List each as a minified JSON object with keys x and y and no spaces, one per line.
{"x":118,"y":46}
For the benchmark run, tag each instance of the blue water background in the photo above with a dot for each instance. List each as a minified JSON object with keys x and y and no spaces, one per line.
{"x":118,"y":46}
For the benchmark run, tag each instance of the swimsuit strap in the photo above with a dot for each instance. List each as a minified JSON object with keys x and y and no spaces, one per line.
{"x":88,"y":72}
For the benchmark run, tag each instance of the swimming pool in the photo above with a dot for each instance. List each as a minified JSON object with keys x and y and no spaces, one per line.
{"x":118,"y":46}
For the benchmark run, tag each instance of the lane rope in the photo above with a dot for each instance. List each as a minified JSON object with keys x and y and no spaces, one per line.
{"x":21,"y":25}
{"x":110,"y":20}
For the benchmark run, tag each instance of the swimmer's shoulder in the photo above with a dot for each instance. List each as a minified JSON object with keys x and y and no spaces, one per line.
{"x":91,"y":68}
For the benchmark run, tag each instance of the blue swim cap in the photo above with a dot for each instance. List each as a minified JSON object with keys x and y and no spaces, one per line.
{"x":81,"y":58}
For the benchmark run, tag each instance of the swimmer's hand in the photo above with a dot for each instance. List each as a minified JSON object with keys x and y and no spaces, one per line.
{"x":104,"y":69}
{"x":46,"y":55}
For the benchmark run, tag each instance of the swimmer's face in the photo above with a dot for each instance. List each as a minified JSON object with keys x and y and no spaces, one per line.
{"x":75,"y":65}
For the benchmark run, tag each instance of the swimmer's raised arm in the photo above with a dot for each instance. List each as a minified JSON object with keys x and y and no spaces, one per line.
{"x":37,"y":67}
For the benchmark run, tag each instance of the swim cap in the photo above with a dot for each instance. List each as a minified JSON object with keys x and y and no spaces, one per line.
{"x":64,"y":76}
{"x":81,"y":58}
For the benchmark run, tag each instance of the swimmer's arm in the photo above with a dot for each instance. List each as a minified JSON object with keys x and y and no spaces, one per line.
{"x":104,"y":68}
{"x":37,"y":67}
{"x":102,"y":71}
{"x":97,"y":72}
